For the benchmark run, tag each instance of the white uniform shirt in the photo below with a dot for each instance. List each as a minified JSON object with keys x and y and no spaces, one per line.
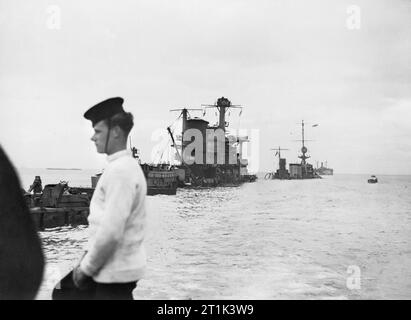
{"x":117,"y":223}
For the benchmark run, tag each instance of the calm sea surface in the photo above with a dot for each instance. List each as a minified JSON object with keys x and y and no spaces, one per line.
{"x":334,"y":238}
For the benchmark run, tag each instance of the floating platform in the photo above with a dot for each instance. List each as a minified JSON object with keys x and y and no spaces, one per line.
{"x":59,"y":205}
{"x":45,"y":218}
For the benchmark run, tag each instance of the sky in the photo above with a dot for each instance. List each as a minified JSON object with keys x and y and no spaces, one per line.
{"x":345,"y":68}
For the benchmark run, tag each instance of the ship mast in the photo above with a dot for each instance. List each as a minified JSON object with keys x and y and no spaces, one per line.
{"x":222,"y":105}
{"x":174,"y":144}
{"x":302,"y":128}
{"x":304,"y":149}
{"x":278,"y":152}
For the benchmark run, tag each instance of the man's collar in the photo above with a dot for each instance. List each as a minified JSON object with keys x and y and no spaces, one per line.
{"x":118,"y":154}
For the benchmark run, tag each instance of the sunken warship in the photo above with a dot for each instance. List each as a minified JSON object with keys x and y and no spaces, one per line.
{"x":297,"y":171}
{"x":205,"y":163}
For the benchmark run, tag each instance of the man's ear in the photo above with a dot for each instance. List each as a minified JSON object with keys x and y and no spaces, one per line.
{"x":117,"y":132}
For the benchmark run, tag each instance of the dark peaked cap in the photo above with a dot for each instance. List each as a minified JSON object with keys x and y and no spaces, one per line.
{"x":104,"y":110}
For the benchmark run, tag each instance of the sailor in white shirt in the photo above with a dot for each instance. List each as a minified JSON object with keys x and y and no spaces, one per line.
{"x":115,"y":257}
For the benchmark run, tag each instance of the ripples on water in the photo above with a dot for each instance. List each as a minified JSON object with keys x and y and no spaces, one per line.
{"x":268,"y":240}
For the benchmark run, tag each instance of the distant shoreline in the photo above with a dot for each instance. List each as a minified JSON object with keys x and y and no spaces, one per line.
{"x":63,"y":169}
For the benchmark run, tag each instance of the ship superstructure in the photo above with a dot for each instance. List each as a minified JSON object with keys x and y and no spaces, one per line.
{"x":302,"y":170}
{"x":208,"y":154}
{"x":324,"y":170}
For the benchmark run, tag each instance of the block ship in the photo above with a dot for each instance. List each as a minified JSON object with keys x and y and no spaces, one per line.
{"x":210,"y":164}
{"x":298,"y":171}
{"x":324,"y":170}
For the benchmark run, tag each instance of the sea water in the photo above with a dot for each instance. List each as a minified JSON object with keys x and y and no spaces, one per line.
{"x":332,"y":238}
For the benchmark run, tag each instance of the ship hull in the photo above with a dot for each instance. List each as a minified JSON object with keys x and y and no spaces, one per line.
{"x":45,"y":218}
{"x":324,"y":171}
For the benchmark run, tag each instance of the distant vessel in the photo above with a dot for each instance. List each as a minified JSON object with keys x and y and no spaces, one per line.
{"x":303,"y":170}
{"x":324,"y":170}
{"x":281,"y":173}
{"x":373,"y":179}
{"x":63,"y":169}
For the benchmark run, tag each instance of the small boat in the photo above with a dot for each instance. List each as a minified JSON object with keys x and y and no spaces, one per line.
{"x":373,"y":179}
{"x":59,"y":205}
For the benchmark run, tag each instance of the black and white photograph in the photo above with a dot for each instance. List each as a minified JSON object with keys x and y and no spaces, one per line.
{"x":230,"y":151}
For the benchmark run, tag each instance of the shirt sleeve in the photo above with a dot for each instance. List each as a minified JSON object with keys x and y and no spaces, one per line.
{"x":119,"y":197}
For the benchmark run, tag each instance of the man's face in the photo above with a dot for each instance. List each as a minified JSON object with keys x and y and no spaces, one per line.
{"x":100,"y":136}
